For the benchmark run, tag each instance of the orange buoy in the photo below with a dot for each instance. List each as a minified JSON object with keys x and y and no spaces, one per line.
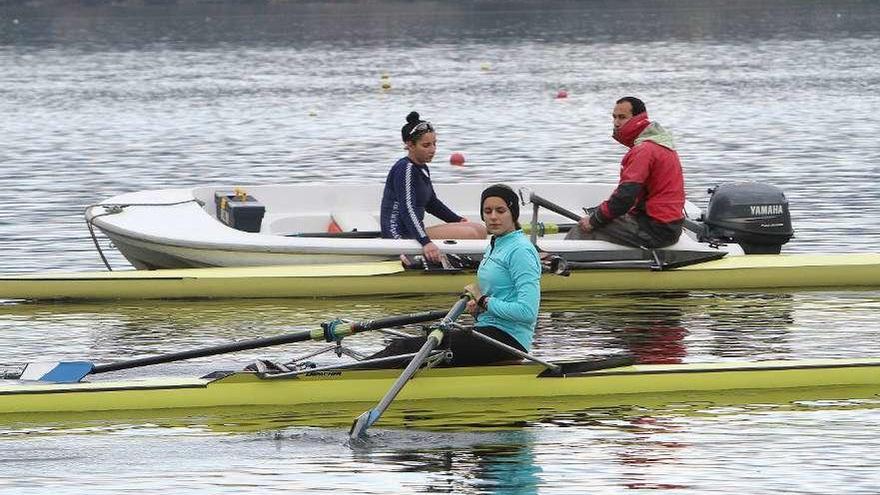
{"x":456,"y":159}
{"x":562,"y":94}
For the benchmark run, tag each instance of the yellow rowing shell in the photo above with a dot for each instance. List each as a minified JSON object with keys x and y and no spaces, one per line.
{"x":519,"y":382}
{"x":792,"y":271}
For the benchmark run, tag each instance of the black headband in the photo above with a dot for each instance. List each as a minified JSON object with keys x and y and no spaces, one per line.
{"x":507,"y":194}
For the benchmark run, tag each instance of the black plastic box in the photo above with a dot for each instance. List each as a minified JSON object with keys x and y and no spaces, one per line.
{"x":239,"y":211}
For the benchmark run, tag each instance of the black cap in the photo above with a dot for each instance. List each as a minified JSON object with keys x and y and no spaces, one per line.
{"x":507,"y":194}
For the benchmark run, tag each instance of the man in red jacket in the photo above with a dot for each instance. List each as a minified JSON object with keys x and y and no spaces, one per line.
{"x":647,"y":208}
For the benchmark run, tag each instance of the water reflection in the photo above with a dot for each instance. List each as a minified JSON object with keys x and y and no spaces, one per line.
{"x":604,"y":449}
{"x":672,"y":327}
{"x":649,"y":328}
{"x":504,"y":463}
{"x":655,"y":327}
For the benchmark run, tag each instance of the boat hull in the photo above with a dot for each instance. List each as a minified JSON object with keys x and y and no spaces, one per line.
{"x":796,"y":271}
{"x":483,"y":383}
{"x":294,"y":229}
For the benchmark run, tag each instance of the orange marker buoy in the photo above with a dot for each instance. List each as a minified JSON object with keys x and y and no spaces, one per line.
{"x":562,"y":94}
{"x":456,"y":159}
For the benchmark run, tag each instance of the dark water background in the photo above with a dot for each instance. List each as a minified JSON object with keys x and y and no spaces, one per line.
{"x":100,"y":98}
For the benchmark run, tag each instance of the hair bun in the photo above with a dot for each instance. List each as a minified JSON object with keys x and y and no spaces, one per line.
{"x":413,"y":118}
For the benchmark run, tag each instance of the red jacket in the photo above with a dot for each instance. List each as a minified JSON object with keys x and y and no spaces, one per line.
{"x":651,"y":179}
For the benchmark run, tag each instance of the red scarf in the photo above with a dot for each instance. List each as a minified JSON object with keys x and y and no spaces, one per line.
{"x":627,"y":133}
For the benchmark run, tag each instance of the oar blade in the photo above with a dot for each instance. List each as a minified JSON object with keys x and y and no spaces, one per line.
{"x":57,"y":372}
{"x":361,"y":423}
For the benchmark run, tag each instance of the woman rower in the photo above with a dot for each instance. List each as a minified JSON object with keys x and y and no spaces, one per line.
{"x":506,"y":297}
{"x":409,"y":194}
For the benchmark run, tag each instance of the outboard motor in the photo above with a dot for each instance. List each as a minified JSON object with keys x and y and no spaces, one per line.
{"x":751,"y":214}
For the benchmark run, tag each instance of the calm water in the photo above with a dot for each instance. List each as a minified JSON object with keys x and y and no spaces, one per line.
{"x":97,"y":100}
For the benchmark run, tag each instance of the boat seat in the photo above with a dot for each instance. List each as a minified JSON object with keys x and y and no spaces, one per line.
{"x":354,"y":221}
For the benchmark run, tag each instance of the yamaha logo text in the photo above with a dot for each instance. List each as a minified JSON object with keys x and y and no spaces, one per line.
{"x":764,"y":210}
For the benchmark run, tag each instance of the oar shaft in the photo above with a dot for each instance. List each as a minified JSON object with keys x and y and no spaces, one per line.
{"x":209,"y":351}
{"x":365,"y":420}
{"x":342,"y":330}
{"x":398,"y":320}
{"x":555,"y":208}
{"x":543,"y":228}
{"x":434,"y":339}
{"x":455,"y":312}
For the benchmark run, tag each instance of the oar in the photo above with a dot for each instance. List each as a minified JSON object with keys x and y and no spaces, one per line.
{"x":74,"y":371}
{"x":547,"y":228}
{"x":361,"y":423}
{"x":545,"y":203}
{"x":542,"y":230}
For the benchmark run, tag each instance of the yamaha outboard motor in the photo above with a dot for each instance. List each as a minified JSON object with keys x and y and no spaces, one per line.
{"x":753,"y":215}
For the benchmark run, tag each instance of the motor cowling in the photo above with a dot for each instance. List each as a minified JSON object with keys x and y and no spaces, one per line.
{"x":751,"y":214}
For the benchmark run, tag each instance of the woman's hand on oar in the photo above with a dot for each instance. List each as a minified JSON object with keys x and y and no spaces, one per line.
{"x":74,"y":371}
{"x":361,"y":423}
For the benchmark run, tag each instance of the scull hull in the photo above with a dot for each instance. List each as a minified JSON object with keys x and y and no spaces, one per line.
{"x":794,"y":271}
{"x":485,"y":383}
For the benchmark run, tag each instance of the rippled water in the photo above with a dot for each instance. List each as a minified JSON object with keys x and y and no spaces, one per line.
{"x":98,"y":100}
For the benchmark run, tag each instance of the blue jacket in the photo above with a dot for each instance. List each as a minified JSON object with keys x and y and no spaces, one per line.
{"x":510,"y":274}
{"x":408,"y":195}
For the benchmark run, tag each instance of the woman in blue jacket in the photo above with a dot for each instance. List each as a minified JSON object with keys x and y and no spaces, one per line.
{"x":409,"y":194}
{"x":505,"y":299}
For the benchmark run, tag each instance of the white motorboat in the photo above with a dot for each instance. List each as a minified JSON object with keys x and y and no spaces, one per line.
{"x":320,"y":223}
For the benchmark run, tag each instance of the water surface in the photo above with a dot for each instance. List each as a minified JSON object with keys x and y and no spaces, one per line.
{"x":100,"y":99}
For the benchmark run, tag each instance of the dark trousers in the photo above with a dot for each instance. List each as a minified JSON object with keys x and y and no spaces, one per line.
{"x":467,"y":350}
{"x":632,"y":230}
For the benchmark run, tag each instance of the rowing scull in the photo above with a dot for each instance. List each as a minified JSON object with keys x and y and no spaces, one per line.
{"x":520,"y":381}
{"x":795,"y":271}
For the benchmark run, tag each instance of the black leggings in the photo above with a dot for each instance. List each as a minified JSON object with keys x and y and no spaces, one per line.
{"x":467,"y":350}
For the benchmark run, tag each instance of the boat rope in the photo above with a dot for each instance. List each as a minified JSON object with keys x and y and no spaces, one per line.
{"x":114,"y":208}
